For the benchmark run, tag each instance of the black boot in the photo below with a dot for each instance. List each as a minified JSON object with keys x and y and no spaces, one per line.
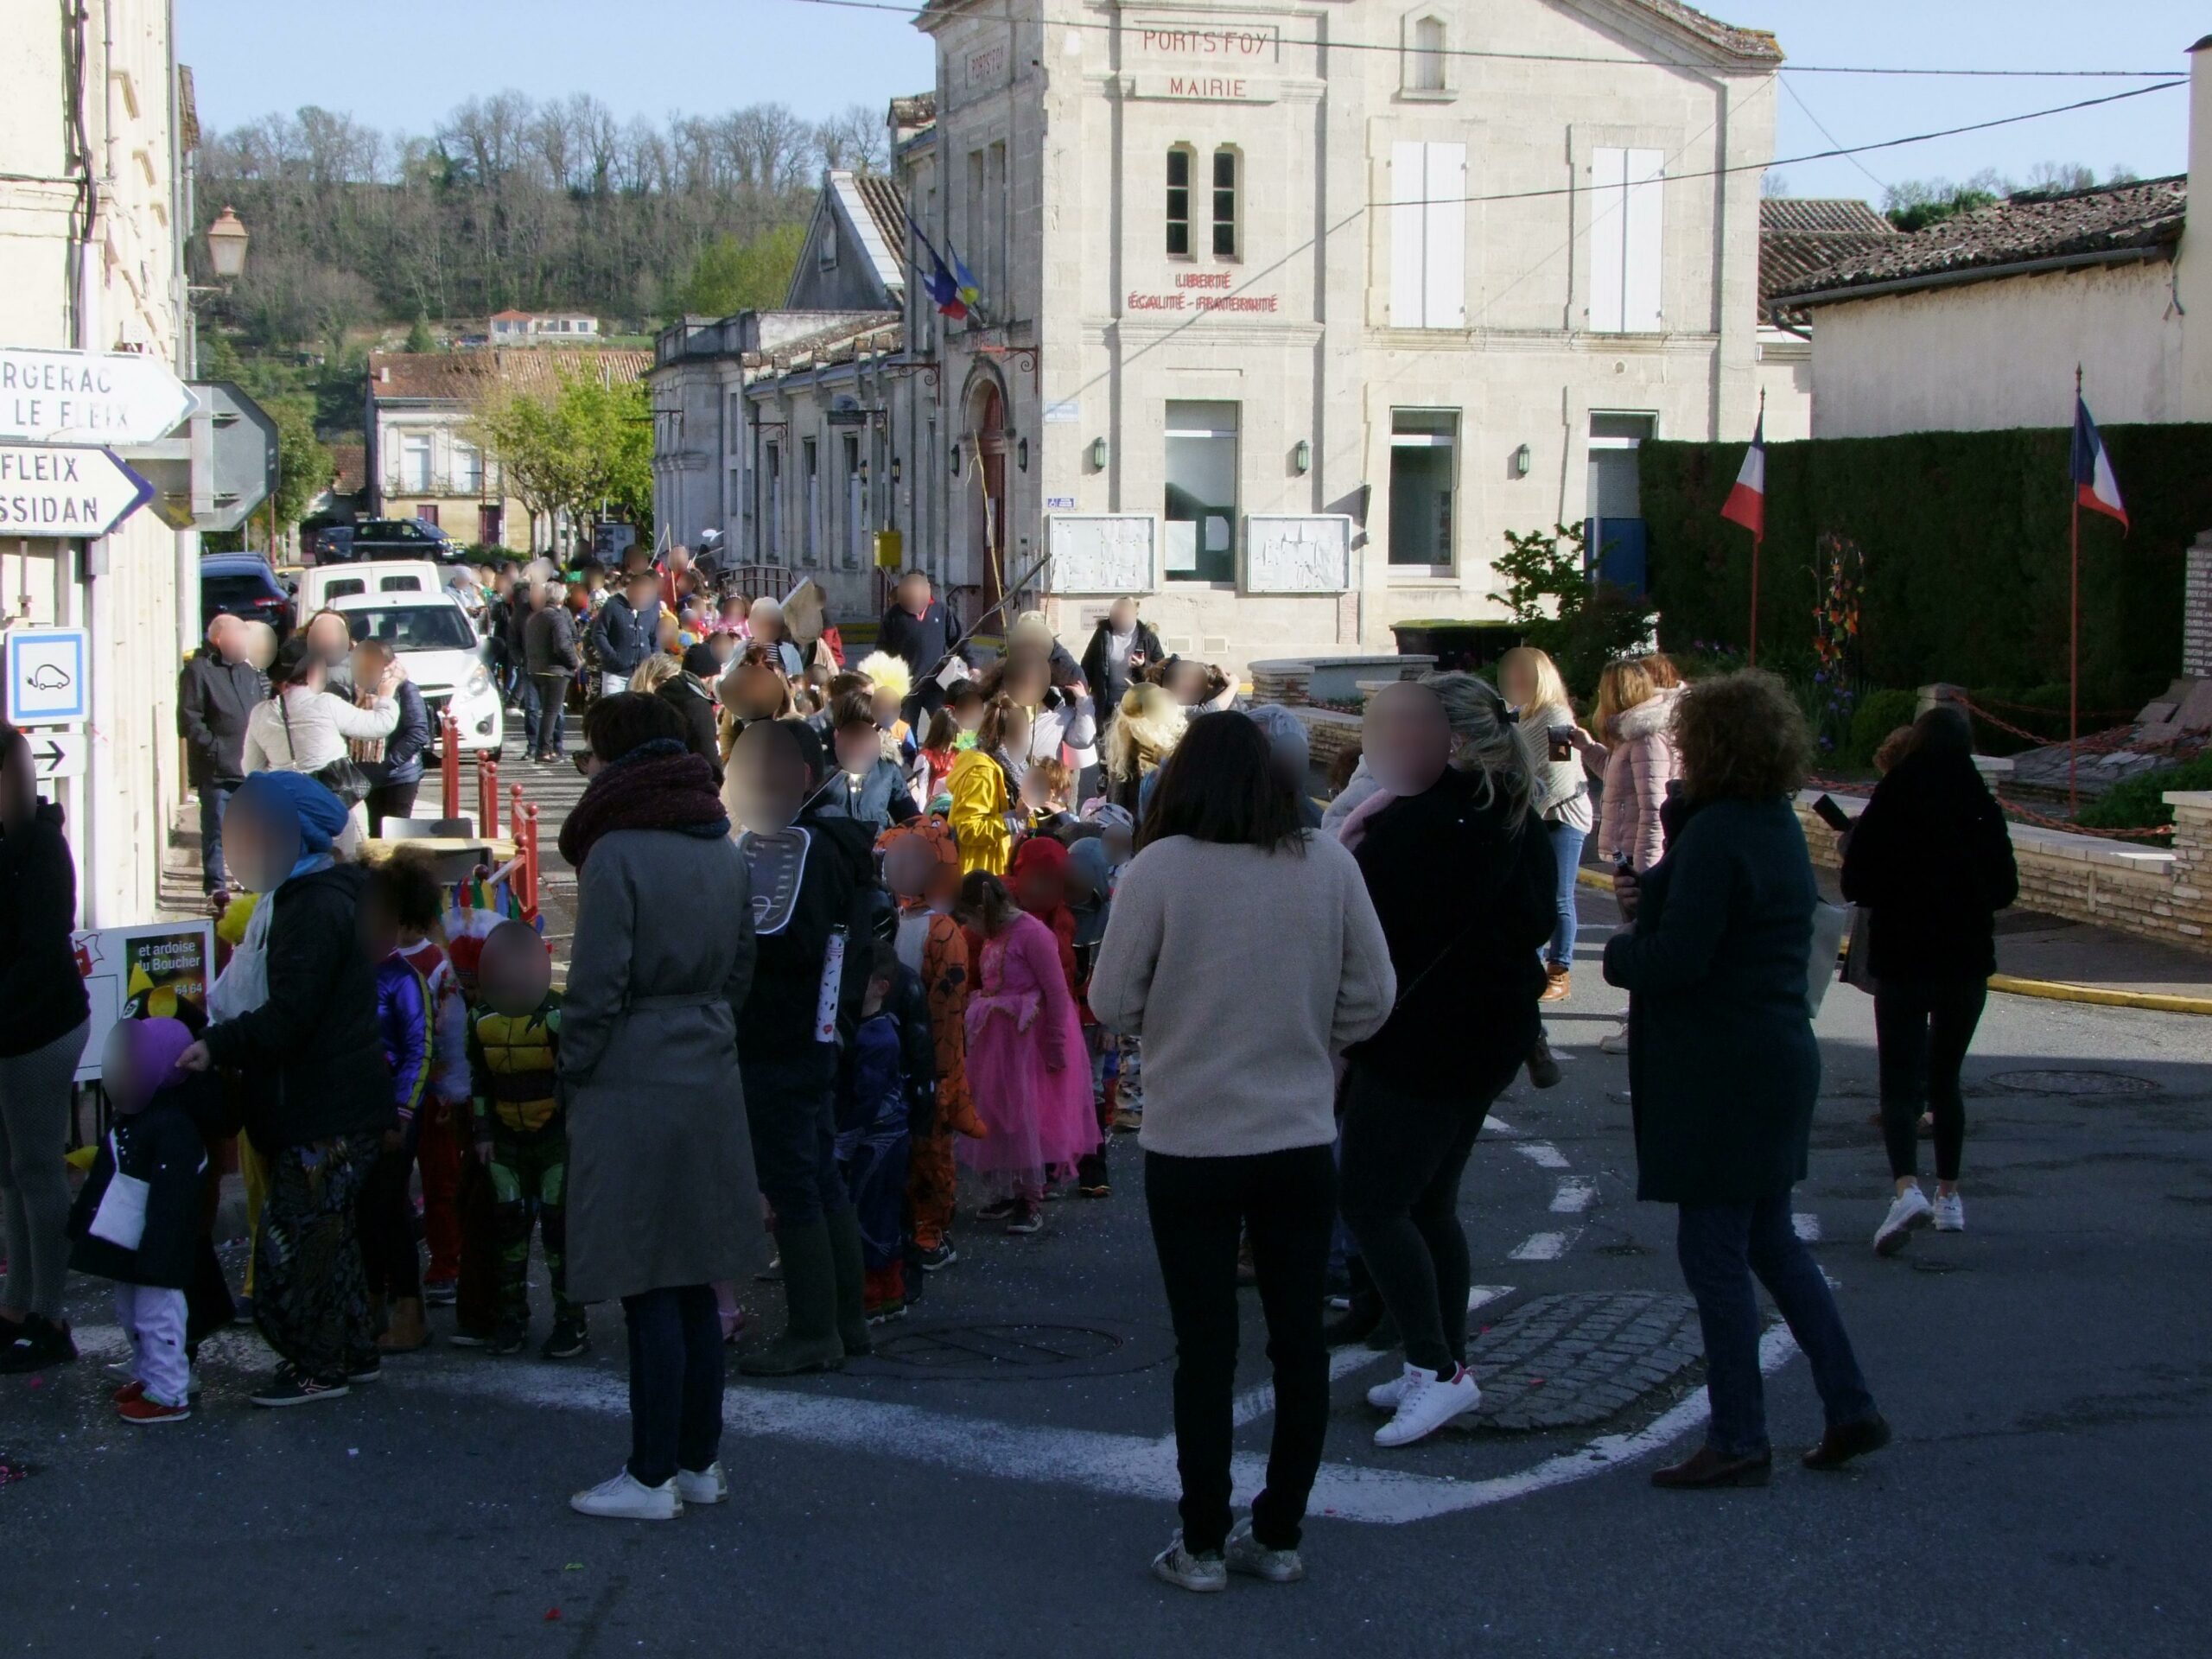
{"x":852,"y":1283}
{"x":1358,"y":1322}
{"x":809,"y":1340}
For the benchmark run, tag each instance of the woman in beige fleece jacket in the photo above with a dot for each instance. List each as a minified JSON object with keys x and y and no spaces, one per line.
{"x":1240,"y":1093}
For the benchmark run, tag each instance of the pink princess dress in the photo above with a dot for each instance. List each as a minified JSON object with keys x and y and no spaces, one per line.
{"x":1027,"y":1067}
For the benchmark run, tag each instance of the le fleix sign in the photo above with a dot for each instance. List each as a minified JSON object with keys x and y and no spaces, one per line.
{"x":84,"y":398}
{"x":66,"y":490}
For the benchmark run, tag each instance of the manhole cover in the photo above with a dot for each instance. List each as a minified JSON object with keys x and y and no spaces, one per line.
{"x":1015,"y":1351}
{"x":1563,"y":1361}
{"x":2071,"y":1084}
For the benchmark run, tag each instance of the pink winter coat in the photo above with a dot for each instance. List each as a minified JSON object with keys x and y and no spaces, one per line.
{"x":1640,"y":764}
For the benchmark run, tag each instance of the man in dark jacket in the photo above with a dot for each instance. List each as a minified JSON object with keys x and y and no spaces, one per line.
{"x":920,"y":632}
{"x":549,"y":655}
{"x":687,"y":694}
{"x":394,"y":778}
{"x":217,"y":691}
{"x":626,"y":631}
{"x":1119,"y":650}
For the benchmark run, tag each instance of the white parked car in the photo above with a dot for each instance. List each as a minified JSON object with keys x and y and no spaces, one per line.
{"x":325,"y":585}
{"x":437,"y":644}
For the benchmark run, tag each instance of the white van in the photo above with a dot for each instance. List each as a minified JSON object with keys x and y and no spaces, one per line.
{"x":435,"y":640}
{"x":322,"y":586}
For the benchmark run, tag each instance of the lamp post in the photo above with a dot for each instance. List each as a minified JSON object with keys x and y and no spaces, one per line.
{"x":227,"y":240}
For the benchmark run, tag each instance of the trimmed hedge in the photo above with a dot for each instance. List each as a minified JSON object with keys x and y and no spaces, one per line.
{"x":1965,"y":535}
{"x":2137,"y":804}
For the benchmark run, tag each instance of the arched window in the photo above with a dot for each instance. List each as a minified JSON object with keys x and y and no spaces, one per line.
{"x":1179,"y":161}
{"x":1425,"y":56}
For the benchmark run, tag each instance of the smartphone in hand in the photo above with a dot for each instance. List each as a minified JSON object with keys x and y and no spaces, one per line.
{"x":1563,"y":742}
{"x":1832,"y":814}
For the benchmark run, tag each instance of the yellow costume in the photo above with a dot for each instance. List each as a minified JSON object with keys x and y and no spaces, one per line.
{"x":978,"y":815}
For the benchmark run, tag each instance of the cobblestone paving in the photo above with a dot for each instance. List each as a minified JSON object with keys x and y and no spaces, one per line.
{"x":1564,"y":1362}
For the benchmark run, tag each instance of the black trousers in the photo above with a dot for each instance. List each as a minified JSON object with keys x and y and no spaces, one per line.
{"x":390,"y":801}
{"x":1199,"y":1208}
{"x":676,"y":1381}
{"x":1921,"y":1030}
{"x":386,"y":1218}
{"x":792,"y":1112}
{"x":1403,"y":1156}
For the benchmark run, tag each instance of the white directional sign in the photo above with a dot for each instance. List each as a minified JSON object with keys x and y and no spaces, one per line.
{"x":56,"y":754}
{"x":49,"y":676}
{"x":66,"y":490}
{"x":88,"y":397}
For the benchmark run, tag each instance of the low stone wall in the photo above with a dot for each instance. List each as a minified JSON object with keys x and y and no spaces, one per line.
{"x":1329,"y":732}
{"x":2151,"y":890}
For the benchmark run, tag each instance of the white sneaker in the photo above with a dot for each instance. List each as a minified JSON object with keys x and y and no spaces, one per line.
{"x":1246,"y":1554}
{"x":709,"y":1485}
{"x":1911,"y":1210}
{"x":1431,"y":1403}
{"x":1950,"y":1214}
{"x":1388,"y":1397}
{"x":1614,"y":1042}
{"x":1175,"y":1565}
{"x":627,"y":1499}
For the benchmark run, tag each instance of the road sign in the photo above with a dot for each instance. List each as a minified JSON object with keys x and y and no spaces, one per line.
{"x":49,"y":676}
{"x":88,"y":397}
{"x":56,"y":754}
{"x":66,"y":490}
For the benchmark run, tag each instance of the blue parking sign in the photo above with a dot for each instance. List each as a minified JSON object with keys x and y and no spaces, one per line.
{"x":49,"y":676}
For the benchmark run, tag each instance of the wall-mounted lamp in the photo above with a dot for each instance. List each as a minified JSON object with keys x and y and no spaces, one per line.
{"x":1521,"y":462}
{"x":1301,"y":458}
{"x":1098,"y":454}
{"x":955,"y":461}
{"x":1021,"y":453}
{"x":898,"y":471}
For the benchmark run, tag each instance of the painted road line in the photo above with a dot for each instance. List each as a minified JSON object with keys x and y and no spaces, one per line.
{"x":1542,"y":1154}
{"x":1257,"y":1402}
{"x":1806,"y":1227}
{"x":1574,"y":1196}
{"x":1500,"y":1128}
{"x":1543,"y":1246}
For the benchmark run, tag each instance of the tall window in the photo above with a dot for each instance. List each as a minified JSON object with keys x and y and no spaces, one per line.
{"x":1614,"y":490}
{"x":468,"y":469}
{"x":855,"y":502}
{"x":1201,"y":509}
{"x":974,"y":228}
{"x":810,"y":480}
{"x":1428,"y":236}
{"x":997,"y":301}
{"x":774,"y":480}
{"x":1425,"y":56}
{"x":1627,"y":187}
{"x":1179,"y":202}
{"x":414,"y":462}
{"x":1424,"y":474}
{"x":1224,"y":204}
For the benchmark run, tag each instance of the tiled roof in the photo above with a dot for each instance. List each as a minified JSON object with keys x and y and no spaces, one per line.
{"x":886,"y":206}
{"x":459,"y":376}
{"x":350,"y":461}
{"x":1800,"y":235}
{"x":918,"y":111}
{"x":2115,"y":219}
{"x":840,"y":342}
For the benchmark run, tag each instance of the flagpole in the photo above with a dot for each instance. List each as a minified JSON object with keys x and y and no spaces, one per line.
{"x":1758,"y":540}
{"x":2074,"y":624}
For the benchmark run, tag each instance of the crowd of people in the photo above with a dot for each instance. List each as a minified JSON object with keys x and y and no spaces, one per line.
{"x":972,"y":920}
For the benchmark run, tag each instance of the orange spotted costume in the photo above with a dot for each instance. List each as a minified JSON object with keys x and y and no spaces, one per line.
{"x":930,"y":943}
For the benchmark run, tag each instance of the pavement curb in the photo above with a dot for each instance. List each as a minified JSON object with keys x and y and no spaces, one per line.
{"x":2051,"y":991}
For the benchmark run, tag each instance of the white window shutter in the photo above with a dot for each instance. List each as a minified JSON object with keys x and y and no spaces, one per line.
{"x":1444,"y":302}
{"x":1408,"y":184}
{"x":1643,"y":248}
{"x":1608,"y":238}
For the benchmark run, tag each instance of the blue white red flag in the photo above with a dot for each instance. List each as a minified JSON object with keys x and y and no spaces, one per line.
{"x":1746,"y":503}
{"x":2095,"y":487}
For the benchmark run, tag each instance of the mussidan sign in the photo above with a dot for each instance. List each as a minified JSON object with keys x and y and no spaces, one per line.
{"x":66,"y":490}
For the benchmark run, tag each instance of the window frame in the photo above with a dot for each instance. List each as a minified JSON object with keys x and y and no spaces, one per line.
{"x":1211,"y":566}
{"x":1416,"y":569}
{"x":1423,"y":59}
{"x":1234,"y":222}
{"x":1188,"y":153}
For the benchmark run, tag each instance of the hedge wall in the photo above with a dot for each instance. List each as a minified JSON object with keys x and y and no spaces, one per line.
{"x":1965,"y":535}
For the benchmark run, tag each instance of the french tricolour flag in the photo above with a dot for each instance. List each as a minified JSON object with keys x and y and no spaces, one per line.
{"x":2095,"y":487}
{"x":1746,"y":503}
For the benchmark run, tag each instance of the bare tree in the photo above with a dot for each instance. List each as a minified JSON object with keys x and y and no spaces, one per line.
{"x":856,"y":139}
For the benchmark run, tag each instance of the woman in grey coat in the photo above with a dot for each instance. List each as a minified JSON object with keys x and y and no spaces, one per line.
{"x":662,"y":1197}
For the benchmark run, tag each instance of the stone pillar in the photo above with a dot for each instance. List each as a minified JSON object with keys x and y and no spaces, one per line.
{"x":2192,"y":893}
{"x":2197,"y":610}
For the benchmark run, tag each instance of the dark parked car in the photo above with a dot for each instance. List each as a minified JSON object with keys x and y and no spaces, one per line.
{"x":242,"y":584}
{"x":392,"y":538}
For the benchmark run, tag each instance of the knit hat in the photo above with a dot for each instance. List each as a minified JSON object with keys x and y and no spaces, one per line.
{"x":149,"y":1050}
{"x":296,"y":797}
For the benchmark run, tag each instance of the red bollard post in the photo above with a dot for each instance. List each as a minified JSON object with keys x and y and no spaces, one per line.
{"x":450,"y":762}
{"x":487,"y":793}
{"x":526,"y":845}
{"x":514,"y":815}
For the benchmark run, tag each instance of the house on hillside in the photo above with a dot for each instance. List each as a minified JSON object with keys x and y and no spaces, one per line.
{"x":1799,"y":235}
{"x":539,"y":328}
{"x":423,"y":460}
{"x":1976,"y":323}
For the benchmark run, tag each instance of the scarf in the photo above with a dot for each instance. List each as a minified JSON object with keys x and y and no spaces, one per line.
{"x":658,"y":786}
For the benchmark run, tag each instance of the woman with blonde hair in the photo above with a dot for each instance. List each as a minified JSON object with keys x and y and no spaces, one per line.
{"x":1149,"y":727}
{"x":654,"y":672}
{"x":1635,"y":718}
{"x":1553,"y":744}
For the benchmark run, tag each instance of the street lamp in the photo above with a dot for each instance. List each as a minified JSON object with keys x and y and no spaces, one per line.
{"x":227,"y":240}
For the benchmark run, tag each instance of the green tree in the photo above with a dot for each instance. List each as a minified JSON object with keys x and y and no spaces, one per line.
{"x":730,"y":275}
{"x":418,"y":335}
{"x":1562,"y":607}
{"x":586,"y":447}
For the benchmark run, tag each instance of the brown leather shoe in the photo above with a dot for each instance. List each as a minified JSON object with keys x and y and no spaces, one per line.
{"x":1705,"y":1468}
{"x":1559,"y":983}
{"x":1844,"y":1441}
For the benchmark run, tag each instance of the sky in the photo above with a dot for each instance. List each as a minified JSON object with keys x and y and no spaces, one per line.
{"x":400,"y":65}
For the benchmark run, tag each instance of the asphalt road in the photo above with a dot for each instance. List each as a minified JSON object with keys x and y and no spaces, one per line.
{"x":2049,"y":1373}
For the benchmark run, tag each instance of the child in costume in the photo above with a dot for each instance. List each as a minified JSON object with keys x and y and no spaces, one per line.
{"x":986,"y":810}
{"x":137,"y":1220}
{"x":399,"y":911}
{"x":933,"y":757}
{"x":1090,"y":907}
{"x":870,"y":787}
{"x":890,"y":681}
{"x":445,"y":1113}
{"x":921,"y":866}
{"x":886,"y":1092}
{"x":520,"y":1134}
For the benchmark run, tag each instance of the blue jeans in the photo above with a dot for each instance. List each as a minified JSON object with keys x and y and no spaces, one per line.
{"x":676,"y":1380}
{"x":1567,"y":853}
{"x":214,"y":801}
{"x":1721,"y":1247}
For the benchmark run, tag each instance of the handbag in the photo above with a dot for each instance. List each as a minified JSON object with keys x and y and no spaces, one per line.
{"x":1830,"y":924}
{"x":121,"y":1218}
{"x":1859,"y":952}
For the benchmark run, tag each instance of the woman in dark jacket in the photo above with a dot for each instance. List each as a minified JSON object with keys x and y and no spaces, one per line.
{"x":398,"y":774}
{"x":687,"y":694}
{"x":1723,"y":1068}
{"x":43,"y":1025}
{"x":317,"y":1093}
{"x":1932,"y":861}
{"x":1461,"y":875}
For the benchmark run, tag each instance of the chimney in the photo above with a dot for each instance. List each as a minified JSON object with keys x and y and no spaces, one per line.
{"x":2193,"y":269}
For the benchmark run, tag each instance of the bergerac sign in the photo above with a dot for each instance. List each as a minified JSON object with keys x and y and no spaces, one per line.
{"x":1209,"y":295}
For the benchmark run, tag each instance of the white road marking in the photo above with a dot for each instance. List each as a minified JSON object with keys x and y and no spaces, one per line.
{"x":1257,"y":1402}
{"x":1806,"y":1227}
{"x":1542,"y":1154}
{"x":1574,"y":1196}
{"x":1499,"y":1127}
{"x":1543,"y":1246}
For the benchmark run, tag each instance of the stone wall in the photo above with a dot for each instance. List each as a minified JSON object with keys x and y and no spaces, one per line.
{"x":2151,"y":890}
{"x":1330,"y":733}
{"x":2197,"y":610}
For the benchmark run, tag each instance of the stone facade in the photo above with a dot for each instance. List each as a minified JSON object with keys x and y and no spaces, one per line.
{"x":2196,"y":612}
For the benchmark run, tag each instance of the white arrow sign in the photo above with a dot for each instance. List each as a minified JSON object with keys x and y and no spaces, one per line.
{"x":66,"y":490}
{"x":56,"y":754}
{"x":85,"y":397}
